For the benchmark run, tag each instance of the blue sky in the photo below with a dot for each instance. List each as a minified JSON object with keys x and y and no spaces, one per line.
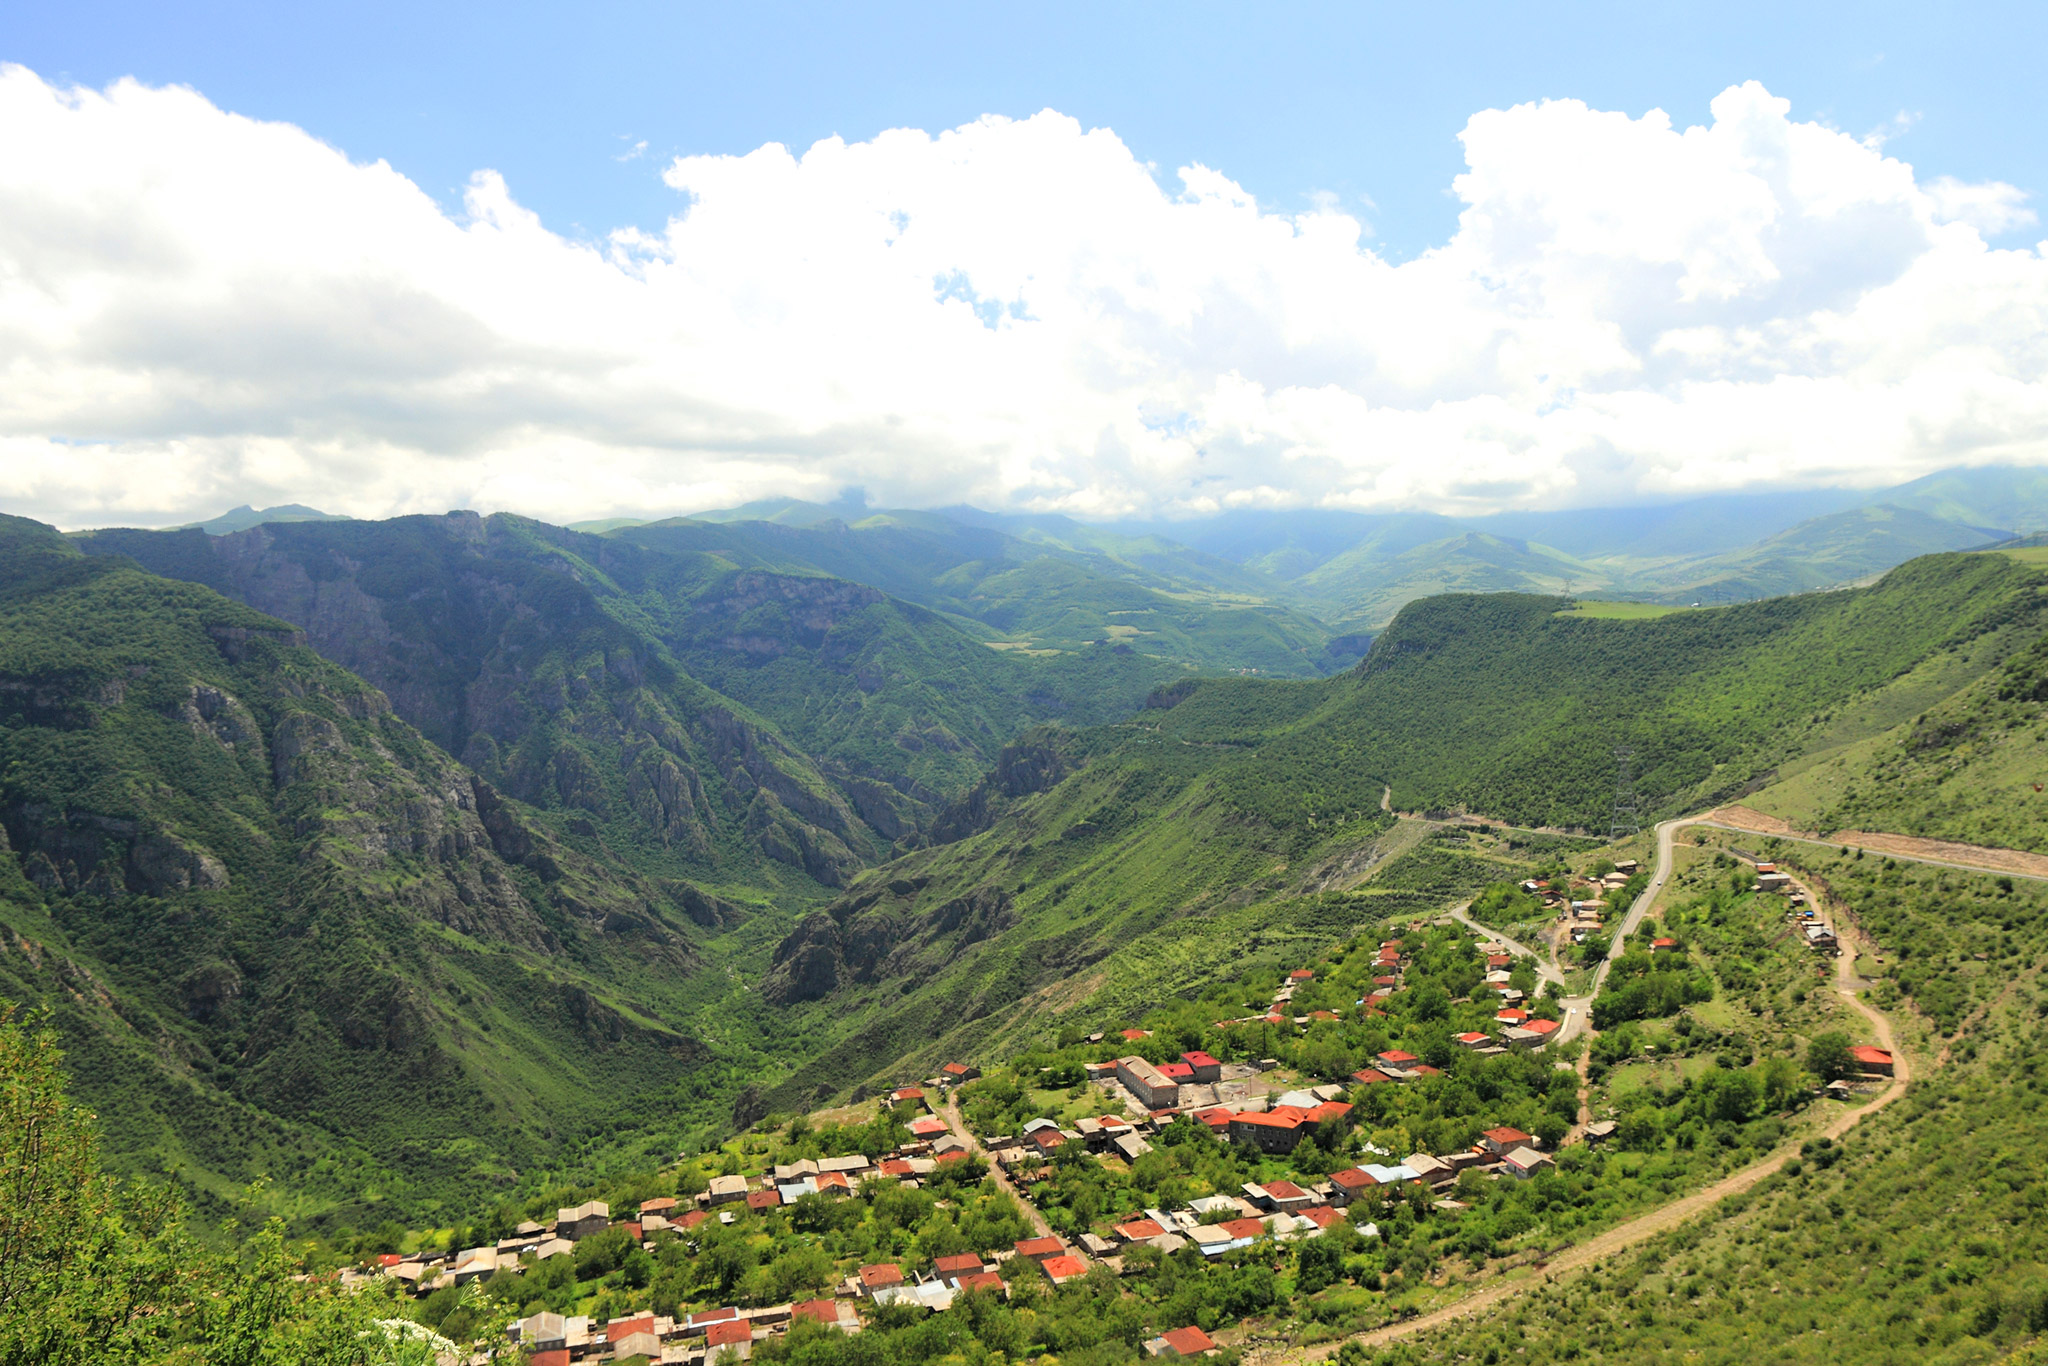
{"x":1361,"y":101}
{"x":1457,"y":257}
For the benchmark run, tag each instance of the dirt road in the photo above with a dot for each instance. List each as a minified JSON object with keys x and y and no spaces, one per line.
{"x":1647,"y":1226}
{"x":1968,"y":858}
{"x":951,"y":1114}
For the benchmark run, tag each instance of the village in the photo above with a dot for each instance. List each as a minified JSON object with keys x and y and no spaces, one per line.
{"x":1292,"y":1154}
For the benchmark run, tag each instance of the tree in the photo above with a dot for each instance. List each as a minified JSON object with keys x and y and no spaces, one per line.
{"x":1827,"y":1056}
{"x":77,"y":1281}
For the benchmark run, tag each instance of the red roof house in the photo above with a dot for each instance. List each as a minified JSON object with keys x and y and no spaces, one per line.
{"x":1872,"y":1059}
{"x":1038,"y":1249}
{"x":1504,"y":1140}
{"x":880,"y":1276}
{"x":1059,"y":1270}
{"x":1187,"y":1342}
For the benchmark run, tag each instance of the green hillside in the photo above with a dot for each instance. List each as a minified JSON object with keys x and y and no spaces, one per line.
{"x":1116,"y":867}
{"x":286,"y":935}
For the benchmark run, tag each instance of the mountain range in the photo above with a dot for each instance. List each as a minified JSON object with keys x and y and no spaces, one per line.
{"x":400,"y":861}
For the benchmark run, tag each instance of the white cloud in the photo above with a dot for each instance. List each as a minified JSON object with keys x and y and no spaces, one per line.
{"x":198,"y":309}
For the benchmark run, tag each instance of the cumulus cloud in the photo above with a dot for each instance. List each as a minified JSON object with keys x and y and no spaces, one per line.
{"x":198,"y":309}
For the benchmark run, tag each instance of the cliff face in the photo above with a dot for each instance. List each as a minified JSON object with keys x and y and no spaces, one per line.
{"x":256,"y":896}
{"x":506,"y":647}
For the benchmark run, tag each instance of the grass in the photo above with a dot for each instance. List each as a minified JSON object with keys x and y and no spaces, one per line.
{"x":2035,"y":555}
{"x":1621,"y":611}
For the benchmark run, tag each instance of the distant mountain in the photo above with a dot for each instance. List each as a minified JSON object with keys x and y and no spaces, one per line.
{"x":1058,"y":586}
{"x":244,"y":517}
{"x":2012,"y":496}
{"x":1825,"y":552}
{"x":703,"y":714}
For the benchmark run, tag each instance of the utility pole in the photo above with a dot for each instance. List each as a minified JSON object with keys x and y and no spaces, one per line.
{"x":1623,"y":823}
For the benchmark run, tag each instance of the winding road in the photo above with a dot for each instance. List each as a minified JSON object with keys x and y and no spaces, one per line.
{"x":1665,"y":1218}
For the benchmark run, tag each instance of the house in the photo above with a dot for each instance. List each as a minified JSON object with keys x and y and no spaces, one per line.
{"x":1600,"y":1130}
{"x":1300,"y":975}
{"x":953,"y":1073}
{"x":1516,"y":1036}
{"x":1276,"y":1132}
{"x":553,"y":1247}
{"x":1181,"y":1342}
{"x":1546,"y":1028}
{"x":1130,"y":1147}
{"x":1205,"y":1069}
{"x":1245,"y":1229}
{"x":1434,"y":1170}
{"x":1153,"y":1088}
{"x":1322,"y":1216}
{"x":988,"y":1282}
{"x":1524,"y":1163}
{"x":1062,"y":1269}
{"x":724,"y":1190}
{"x":1665,"y":945}
{"x":1472,"y":1039}
{"x":1391,"y":1176}
{"x":618,"y":1330}
{"x":958,"y":1265}
{"x":903,"y":1093}
{"x":832,"y":1313}
{"x":1179,"y":1073}
{"x":1395,"y":1061}
{"x":735,"y":1335}
{"x":1043,"y":1141}
{"x":851,"y":1165}
{"x":1038,"y":1249}
{"x":1133,"y":1035}
{"x":1871,"y":1061}
{"x":541,"y":1332}
{"x":1139,"y":1230}
{"x":1284,"y":1196}
{"x":1349,"y":1184}
{"x":1772,"y":882}
{"x":1627,"y":867}
{"x":880,"y":1276}
{"x":1504,"y":1140}
{"x":1369,"y":1076}
{"x":762,"y":1201}
{"x":474,"y":1264}
{"x":582,"y":1221}
{"x":927,"y":1127}
{"x":1511,"y":1015}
